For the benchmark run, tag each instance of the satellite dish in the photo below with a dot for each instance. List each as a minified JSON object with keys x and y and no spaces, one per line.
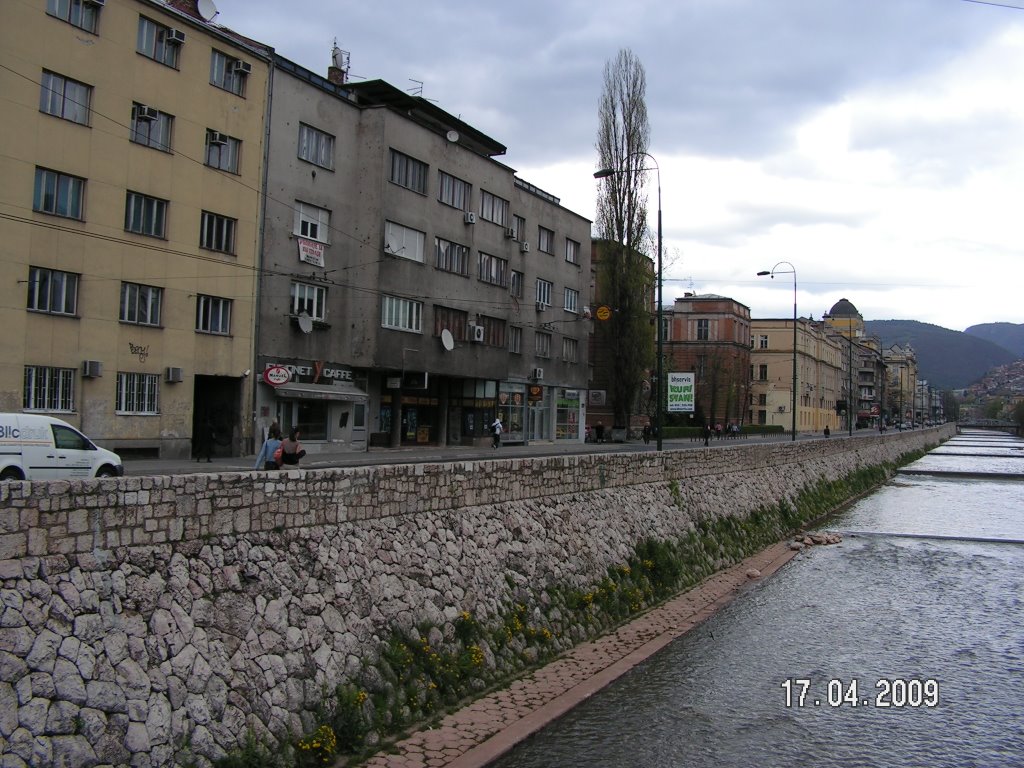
{"x":207,"y":9}
{"x":447,"y":340}
{"x":305,"y":323}
{"x":452,"y":136}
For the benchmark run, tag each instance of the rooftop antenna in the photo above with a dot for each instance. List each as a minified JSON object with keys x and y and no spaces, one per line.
{"x":416,"y":90}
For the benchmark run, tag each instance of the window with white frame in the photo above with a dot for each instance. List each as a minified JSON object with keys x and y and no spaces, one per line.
{"x":515,"y":339}
{"x":151,"y":127}
{"x":571,"y":299}
{"x":543,"y":291}
{"x":453,"y":191}
{"x":52,"y":291}
{"x":58,"y":193}
{"x":493,"y":208}
{"x":570,"y":349}
{"x":78,"y":13}
{"x":312,"y":222}
{"x":137,"y":393}
{"x":408,"y":172}
{"x":213,"y":315}
{"x":140,"y":304}
{"x":762,"y":341}
{"x":311,"y":299}
{"x":401,"y":314}
{"x":145,"y":215}
{"x":49,"y":389}
{"x":703,"y":330}
{"x":454,"y":320}
{"x":516,"y":283}
{"x":405,"y":242}
{"x":228,"y":73}
{"x":222,"y":151}
{"x":316,"y":147}
{"x":572,"y":251}
{"x":217,"y":233}
{"x":542,"y":344}
{"x":545,"y":240}
{"x":152,"y":42}
{"x":493,"y":269}
{"x":65,"y":98}
{"x":451,"y":257}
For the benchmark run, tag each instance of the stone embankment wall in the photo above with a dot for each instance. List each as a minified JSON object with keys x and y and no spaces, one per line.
{"x":142,"y":615}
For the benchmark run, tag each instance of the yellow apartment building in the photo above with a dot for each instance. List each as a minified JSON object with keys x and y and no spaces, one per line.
{"x":132,"y":155}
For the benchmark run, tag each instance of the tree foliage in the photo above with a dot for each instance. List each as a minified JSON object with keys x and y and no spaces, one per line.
{"x":625,"y":272}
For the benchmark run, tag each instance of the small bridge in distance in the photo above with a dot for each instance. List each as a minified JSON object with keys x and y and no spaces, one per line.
{"x":992,"y":425}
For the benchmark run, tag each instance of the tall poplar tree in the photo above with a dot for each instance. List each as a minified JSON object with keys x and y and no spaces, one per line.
{"x":625,"y":272}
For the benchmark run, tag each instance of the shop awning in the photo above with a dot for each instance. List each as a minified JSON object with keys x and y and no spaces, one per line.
{"x":339,"y":391}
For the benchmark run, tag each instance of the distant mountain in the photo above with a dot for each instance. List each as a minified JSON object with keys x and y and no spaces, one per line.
{"x":1009,"y":336}
{"x":947,"y":359}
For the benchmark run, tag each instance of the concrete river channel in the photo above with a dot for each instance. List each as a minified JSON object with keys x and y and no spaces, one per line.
{"x":901,"y":646}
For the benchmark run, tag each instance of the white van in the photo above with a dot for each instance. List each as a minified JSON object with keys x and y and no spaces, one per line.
{"x":35,"y":447}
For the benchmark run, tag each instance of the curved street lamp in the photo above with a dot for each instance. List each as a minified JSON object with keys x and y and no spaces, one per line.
{"x":772,"y":272}
{"x":602,"y":174}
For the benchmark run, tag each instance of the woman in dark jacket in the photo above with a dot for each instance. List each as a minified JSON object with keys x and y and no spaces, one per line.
{"x":291,"y":449}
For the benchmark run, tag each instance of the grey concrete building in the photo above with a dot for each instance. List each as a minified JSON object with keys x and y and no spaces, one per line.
{"x":412,"y":287}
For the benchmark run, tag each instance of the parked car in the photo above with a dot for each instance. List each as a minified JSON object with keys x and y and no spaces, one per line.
{"x":36,"y":447}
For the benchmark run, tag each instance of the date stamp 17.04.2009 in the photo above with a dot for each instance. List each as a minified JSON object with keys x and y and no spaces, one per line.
{"x":887,"y":693}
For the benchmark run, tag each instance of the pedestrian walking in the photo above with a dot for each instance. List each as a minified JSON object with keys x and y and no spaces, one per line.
{"x":496,"y":430}
{"x":291,"y":449}
{"x":265,"y":459}
{"x":647,"y":434}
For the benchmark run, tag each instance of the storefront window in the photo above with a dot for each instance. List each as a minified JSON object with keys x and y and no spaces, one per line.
{"x":567,"y":415}
{"x":512,"y":407}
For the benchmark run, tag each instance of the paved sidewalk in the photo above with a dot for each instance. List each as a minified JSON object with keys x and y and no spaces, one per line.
{"x":490,"y":726}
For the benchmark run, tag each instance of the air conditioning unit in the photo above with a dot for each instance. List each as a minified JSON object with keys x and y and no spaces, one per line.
{"x":524,"y":247}
{"x":146,"y":114}
{"x":476,"y":332}
{"x":469,"y":218}
{"x":510,"y":233}
{"x":175,"y":37}
{"x":174,"y":375}
{"x":243,"y":68}
{"x":541,"y":306}
{"x":538,"y":374}
{"x":92,"y":369}
{"x":216,"y":137}
{"x":782,"y":409}
{"x":97,"y":3}
{"x":586,"y":313}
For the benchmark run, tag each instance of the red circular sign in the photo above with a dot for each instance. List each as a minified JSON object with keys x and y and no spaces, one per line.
{"x":276,"y":375}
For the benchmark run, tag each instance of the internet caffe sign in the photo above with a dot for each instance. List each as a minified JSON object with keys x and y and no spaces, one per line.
{"x":680,"y":393}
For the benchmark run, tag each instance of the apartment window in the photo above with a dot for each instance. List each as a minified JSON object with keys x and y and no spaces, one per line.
{"x":311,"y":299}
{"x":138,"y":393}
{"x":151,"y":127}
{"x":762,"y":342}
{"x":78,"y":13}
{"x":316,"y":147}
{"x":494,"y":330}
{"x":666,"y":329}
{"x":762,"y":399}
{"x":572,"y":300}
{"x":572,"y":251}
{"x":542,"y":344}
{"x":762,"y":372}
{"x":543,"y":292}
{"x":515,"y":339}
{"x":52,"y":291}
{"x":455,"y":320}
{"x":49,"y":389}
{"x":213,"y":315}
{"x":222,"y":151}
{"x":311,"y":222}
{"x":401,"y":314}
{"x":145,"y":215}
{"x":58,"y":193}
{"x":154,"y":43}
{"x":703,"y":330}
{"x":451,"y":257}
{"x":140,"y":304}
{"x":545,"y":240}
{"x":453,"y":191}
{"x":516,"y":284}
{"x":228,"y":73}
{"x":570,"y":350}
{"x":493,"y":208}
{"x":493,"y":269}
{"x":408,"y":172}
{"x":519,"y":227}
{"x":217,"y":233}
{"x":404,"y":242}
{"x":65,"y":98}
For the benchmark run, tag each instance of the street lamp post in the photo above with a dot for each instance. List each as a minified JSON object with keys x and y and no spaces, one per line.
{"x":604,"y":173}
{"x":772,"y":273}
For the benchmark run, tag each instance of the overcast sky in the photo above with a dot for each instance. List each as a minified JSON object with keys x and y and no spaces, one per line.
{"x":876,"y":145}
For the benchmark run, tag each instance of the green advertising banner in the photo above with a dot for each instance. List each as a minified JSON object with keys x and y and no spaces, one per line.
{"x":680,"y":393}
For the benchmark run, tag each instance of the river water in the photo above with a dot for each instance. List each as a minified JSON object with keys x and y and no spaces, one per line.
{"x":902,"y":646}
